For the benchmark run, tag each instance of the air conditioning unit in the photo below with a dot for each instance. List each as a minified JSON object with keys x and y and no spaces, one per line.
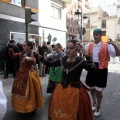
{"x":118,"y":36}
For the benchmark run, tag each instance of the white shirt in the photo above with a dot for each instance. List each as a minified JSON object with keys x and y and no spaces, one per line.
{"x":111,"y":51}
{"x":3,"y":102}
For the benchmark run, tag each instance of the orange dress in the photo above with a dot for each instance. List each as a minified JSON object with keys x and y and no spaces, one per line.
{"x":70,"y":100}
{"x":70,"y":104}
{"x":26,"y":91}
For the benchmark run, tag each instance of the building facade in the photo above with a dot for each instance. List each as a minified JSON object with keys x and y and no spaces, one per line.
{"x":52,"y":19}
{"x":71,"y":23}
{"x":99,"y":18}
{"x":12,"y":21}
{"x":108,"y":24}
{"x":74,"y":25}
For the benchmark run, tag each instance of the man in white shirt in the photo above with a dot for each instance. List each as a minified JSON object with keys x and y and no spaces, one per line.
{"x":97,"y":80}
{"x":3,"y":102}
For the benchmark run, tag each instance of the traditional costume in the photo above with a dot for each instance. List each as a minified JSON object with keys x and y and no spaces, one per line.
{"x":99,"y":77}
{"x":26,"y":91}
{"x":70,"y":100}
{"x":55,"y":74}
{"x":100,"y":53}
{"x":97,"y":80}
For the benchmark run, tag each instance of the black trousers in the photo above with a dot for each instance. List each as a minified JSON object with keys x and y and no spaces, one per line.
{"x":97,"y":78}
{"x":12,"y":66}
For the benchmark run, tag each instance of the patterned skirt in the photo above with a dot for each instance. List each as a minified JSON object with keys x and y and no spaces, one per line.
{"x":70,"y":104}
{"x":26,"y":92}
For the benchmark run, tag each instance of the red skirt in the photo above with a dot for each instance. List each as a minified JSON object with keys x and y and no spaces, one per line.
{"x":70,"y":104}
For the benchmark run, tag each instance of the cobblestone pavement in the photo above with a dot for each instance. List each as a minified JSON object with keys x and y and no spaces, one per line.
{"x":110,"y":109}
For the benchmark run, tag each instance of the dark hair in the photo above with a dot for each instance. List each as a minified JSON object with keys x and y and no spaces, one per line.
{"x":29,"y":43}
{"x":39,"y":47}
{"x":73,"y":41}
{"x":53,"y":46}
{"x":33,"y":43}
{"x":59,"y":45}
{"x":11,"y":41}
{"x":48,"y":43}
{"x":20,"y":46}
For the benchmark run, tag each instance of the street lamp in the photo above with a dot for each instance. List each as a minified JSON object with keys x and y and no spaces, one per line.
{"x":78,"y":16}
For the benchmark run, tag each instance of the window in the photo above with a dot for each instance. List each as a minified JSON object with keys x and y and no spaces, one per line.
{"x":104,"y":33}
{"x":16,"y":2}
{"x":55,"y":11}
{"x":103,"y":23}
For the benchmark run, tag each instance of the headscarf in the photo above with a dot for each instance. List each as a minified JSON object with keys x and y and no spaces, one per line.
{"x":97,"y":30}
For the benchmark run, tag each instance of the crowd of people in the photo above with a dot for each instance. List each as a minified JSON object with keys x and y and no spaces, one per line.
{"x":70,"y":99}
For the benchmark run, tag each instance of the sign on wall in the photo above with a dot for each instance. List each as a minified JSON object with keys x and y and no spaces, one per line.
{"x":20,"y":38}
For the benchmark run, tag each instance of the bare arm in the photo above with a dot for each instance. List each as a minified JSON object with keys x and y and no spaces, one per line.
{"x":50,"y":55}
{"x":12,"y":54}
{"x":116,"y":47}
{"x":49,"y":63}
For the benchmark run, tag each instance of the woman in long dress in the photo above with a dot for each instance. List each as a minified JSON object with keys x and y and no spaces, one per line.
{"x":70,"y":100}
{"x":26,"y":91}
{"x":55,"y":74}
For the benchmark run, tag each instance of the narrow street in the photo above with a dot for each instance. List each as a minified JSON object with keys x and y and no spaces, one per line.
{"x":110,"y":109}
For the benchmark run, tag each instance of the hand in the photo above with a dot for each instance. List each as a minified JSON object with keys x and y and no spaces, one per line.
{"x":80,"y":47}
{"x":40,"y":56}
{"x":7,"y":44}
{"x":110,"y":41}
{"x":27,"y":58}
